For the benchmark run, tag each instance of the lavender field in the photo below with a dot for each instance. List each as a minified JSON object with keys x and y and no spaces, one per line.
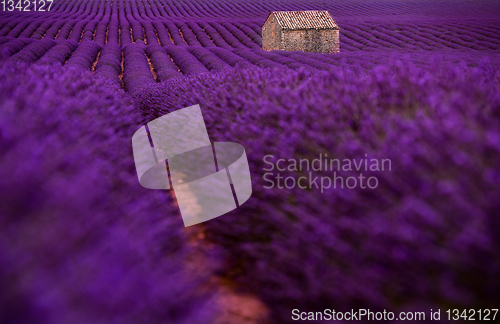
{"x":416,"y":82}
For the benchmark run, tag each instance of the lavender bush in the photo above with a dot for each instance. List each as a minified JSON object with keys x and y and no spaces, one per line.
{"x":109,"y":63}
{"x":187,"y":63}
{"x":32,"y":52}
{"x":81,"y":242}
{"x":415,"y":82}
{"x":84,"y":56}
{"x":163,"y":66}
{"x":230,"y":58}
{"x":137,"y":73}
{"x":426,"y":237}
{"x":211,"y":61}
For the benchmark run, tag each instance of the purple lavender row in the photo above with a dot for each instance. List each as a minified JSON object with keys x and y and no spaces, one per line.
{"x":475,"y":42}
{"x":207,"y":8}
{"x":181,"y":8}
{"x":284,"y":60}
{"x":172,"y":9}
{"x":348,"y":45}
{"x":187,"y":63}
{"x":188,"y":34}
{"x":30,"y":29}
{"x":392,"y":39}
{"x":470,"y":41}
{"x":256,"y":27}
{"x":448,"y":41}
{"x":69,"y":133}
{"x":65,"y":30}
{"x":77,"y":30}
{"x":151,"y":10}
{"x":162,"y":33}
{"x":137,"y":32}
{"x":255,"y":37}
{"x":5,"y":40}
{"x":13,"y":46}
{"x":138,"y":10}
{"x":150,"y":34}
{"x":58,"y":54}
{"x":109,"y":64}
{"x":175,"y":34}
{"x":427,"y":41}
{"x":113,"y":33}
{"x":165,"y":10}
{"x":215,"y":36}
{"x":8,"y":27}
{"x":396,"y":38}
{"x":18,"y":29}
{"x":366,"y":43}
{"x":53,"y":30}
{"x":241,"y":36}
{"x":304,"y":58}
{"x":125,"y":32}
{"x":126,"y":35}
{"x":88,"y":31}
{"x":378,"y":115}
{"x":258,"y":60}
{"x":31,"y":53}
{"x":230,"y":58}
{"x":200,"y":34}
{"x":136,"y":71}
{"x":380,"y":39}
{"x":163,"y":66}
{"x":227,"y":36}
{"x":481,"y":33}
{"x":208,"y":59}
{"x":100,"y":33}
{"x":84,"y":56}
{"x":103,"y":25}
{"x":196,"y":10}
{"x":423,"y":42}
{"x":42,"y":29}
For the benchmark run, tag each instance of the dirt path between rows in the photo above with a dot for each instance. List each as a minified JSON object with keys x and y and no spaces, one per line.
{"x":231,"y":306}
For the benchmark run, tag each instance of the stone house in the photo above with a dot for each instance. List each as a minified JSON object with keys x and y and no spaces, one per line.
{"x":307,"y":31}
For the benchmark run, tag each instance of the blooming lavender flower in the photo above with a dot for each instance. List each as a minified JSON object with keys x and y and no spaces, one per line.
{"x":84,"y":56}
{"x":162,"y":33}
{"x":75,"y":225}
{"x":174,"y":33}
{"x":186,"y":62}
{"x":109,"y":64}
{"x":164,"y":67}
{"x":200,"y":34}
{"x":188,"y":35}
{"x":412,"y":235}
{"x":209,"y":59}
{"x":231,"y":58}
{"x":137,"y":74}
{"x":81,"y":242}
{"x":13,"y":46}
{"x":33,"y":52}
{"x":215,"y":36}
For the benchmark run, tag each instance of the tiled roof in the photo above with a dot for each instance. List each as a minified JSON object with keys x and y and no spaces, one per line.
{"x":311,"y":19}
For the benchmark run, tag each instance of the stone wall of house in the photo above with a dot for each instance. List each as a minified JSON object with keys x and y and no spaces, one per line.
{"x":311,"y":40}
{"x":271,"y":35}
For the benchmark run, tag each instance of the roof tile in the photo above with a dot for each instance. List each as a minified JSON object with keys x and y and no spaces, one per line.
{"x":311,"y":19}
